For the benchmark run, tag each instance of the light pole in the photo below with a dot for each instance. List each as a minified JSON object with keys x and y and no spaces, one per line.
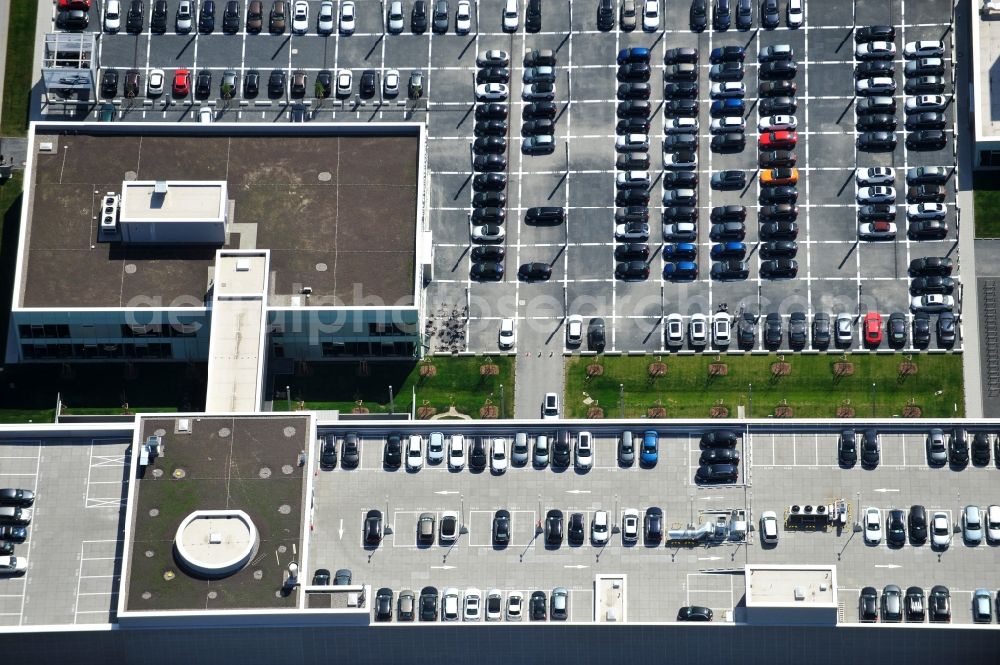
{"x":461,"y":516}
{"x":288,"y":396}
{"x":502,"y":409}
{"x":388,"y":528}
{"x":750,"y":405}
{"x":873,"y":399}
{"x":392,"y":403}
{"x":621,"y":399}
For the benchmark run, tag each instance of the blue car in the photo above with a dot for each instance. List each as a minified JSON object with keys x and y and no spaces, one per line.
{"x":680,"y":270}
{"x":729,"y":250}
{"x":634,"y":54}
{"x":730,"y":106}
{"x":650,"y":451}
{"x":682,"y":251}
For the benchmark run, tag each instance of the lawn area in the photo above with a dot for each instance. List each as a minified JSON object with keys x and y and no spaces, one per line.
{"x":810,"y":387}
{"x":456,"y":381}
{"x":986,"y":196}
{"x":28,"y":392}
{"x":17,"y":78}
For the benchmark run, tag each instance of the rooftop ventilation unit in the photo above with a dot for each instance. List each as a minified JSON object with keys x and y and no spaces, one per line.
{"x":160,"y":187}
{"x":108,"y":230}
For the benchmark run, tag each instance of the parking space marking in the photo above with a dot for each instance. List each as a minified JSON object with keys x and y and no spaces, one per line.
{"x":101,"y":546}
{"x":115,"y":462}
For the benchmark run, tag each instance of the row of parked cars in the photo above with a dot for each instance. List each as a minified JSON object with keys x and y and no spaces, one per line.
{"x":914,"y":606}
{"x":925,"y":195}
{"x":471,"y":605}
{"x":900,"y":527}
{"x":956,"y":447}
{"x":15,"y":516}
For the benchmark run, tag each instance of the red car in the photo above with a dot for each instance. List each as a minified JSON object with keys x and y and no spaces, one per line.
{"x":873,"y":328}
{"x":182,"y":83}
{"x":65,"y":5}
{"x":783,"y":140}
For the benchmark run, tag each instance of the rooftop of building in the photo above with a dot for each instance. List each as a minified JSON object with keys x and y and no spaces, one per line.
{"x":328,"y":207}
{"x":791,"y":585}
{"x":987,"y":79}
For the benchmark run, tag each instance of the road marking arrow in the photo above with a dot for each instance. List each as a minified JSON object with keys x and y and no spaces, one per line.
{"x":446,"y":567}
{"x":887,"y":565}
{"x":707,"y":498}
{"x":447,"y":492}
{"x":709,"y":558}
{"x":886,"y":489}
{"x":577,"y":491}
{"x":577,"y":566}
{"x":340,"y":531}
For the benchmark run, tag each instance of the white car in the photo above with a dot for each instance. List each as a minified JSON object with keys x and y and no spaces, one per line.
{"x":498,"y":456}
{"x":491,"y":92}
{"x":875,"y":51}
{"x":154,"y":84}
{"x":494,"y":605}
{"x":456,"y":452}
{"x":509,"y":17}
{"x":873,"y":526}
{"x":450,"y":518}
{"x":880,"y":230}
{"x":300,"y":17}
{"x":922,"y":103}
{"x":396,"y":20}
{"x":879,"y":194}
{"x":795,"y":14}
{"x":113,"y":17}
{"x":876,"y":175}
{"x":632,"y":179}
{"x":972,"y":525}
{"x":515,"y":605}
{"x":993,"y":524}
{"x":347,"y":17}
{"x":777,"y":122}
{"x":472,"y":604}
{"x":925,"y":211}
{"x":932,"y":302}
{"x":324,"y":19}
{"x":13,"y":565}
{"x":414,"y":452}
{"x":930,"y":48}
{"x":574,"y":330}
{"x":538,"y":91}
{"x":681,"y":126}
{"x":488,"y":233}
{"x":878,"y":85}
{"x":345,"y":83}
{"x":698,"y":330}
{"x":680,"y":160}
{"x":449,"y":604}
{"x":584,"y":451}
{"x":630,"y":525}
{"x":730,"y":123}
{"x":768,"y":527}
{"x":507,"y":336}
{"x":940,"y":530}
{"x":206,"y":115}
{"x":727,"y":89}
{"x":651,"y":15}
{"x":493,"y":58}
{"x":435,"y":448}
{"x":599,"y":529}
{"x":721,"y":329}
{"x":844,"y":328}
{"x":550,"y":406}
{"x":390,"y":84}
{"x":675,"y":330}
{"x":463,"y":18}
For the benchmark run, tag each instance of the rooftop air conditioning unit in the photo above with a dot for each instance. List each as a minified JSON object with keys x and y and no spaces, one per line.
{"x":108,"y":230}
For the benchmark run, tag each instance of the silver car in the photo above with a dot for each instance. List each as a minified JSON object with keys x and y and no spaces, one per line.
{"x":937,"y":451}
{"x":541,"y":450}
{"x":844,"y":329}
{"x":519,"y":453}
{"x":972,"y":525}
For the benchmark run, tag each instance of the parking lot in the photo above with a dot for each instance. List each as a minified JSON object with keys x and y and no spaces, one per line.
{"x":74,"y":529}
{"x":837,"y":273}
{"x":784,"y":469}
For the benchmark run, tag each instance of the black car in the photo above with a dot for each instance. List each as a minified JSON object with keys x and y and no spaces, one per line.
{"x":369,"y":84}
{"x":821,"y":330}
{"x":653,"y":525}
{"x":879,"y":104}
{"x":203,"y":84}
{"x":847,"y":448}
{"x":729,"y":180}
{"x":732,"y":270}
{"x":797,"y":330}
{"x":633,"y":71}
{"x":535,"y":271}
{"x":680,"y":180}
{"x":892,"y":603}
{"x":772,"y":330}
{"x":350,"y":450}
{"x":875,"y":33}
{"x":321,"y":577}
{"x":276,"y":83}
{"x":134,"y":18}
{"x":537,"y":606}
{"x":924,"y":85}
{"x":328,"y":456}
{"x":74,"y":19}
{"x":926,"y":120}
{"x":674,"y":56}
{"x":596,"y":338}
{"x":939,"y":604}
{"x":774,"y":249}
{"x":746,"y":330}
{"x":532,"y":127}
{"x":780,"y":212}
{"x":927,"y":229}
{"x":486,"y":271}
{"x":878,"y":140}
{"x":914,"y":604}
{"x":728,"y":213}
{"x":726,"y":71}
{"x":868,"y":604}
{"x":501,"y":528}
{"x":540,"y":110}
{"x":680,"y":108}
{"x":439,"y":21}
{"x":545,"y":215}
{"x":418,"y":18}
{"x":561,"y":452}
{"x":980,"y":452}
{"x":342,"y":577}
{"x":723,"y":473}
{"x":109,"y":83}
{"x":782,"y":70}
{"x":872,"y":68}
{"x":14,"y":534}
{"x":488,"y":253}
{"x":628,"y":270}
{"x":932,"y":284}
{"x":489,"y":163}
{"x":629,"y":197}
{"x":722,"y":17}
{"x":779,"y":88}
{"x":231,"y":17}
{"x":958,"y":447}
{"x":373,"y":527}
{"x":946,"y":329}
{"x":729,"y":141}
{"x":769,"y":17}
{"x":778,"y":194}
{"x":778,"y":106}
{"x":428,"y":603}
{"x":392,"y":454}
{"x":634,"y":91}
{"x":921,"y":329}
{"x":493,"y":75}
{"x":719,"y":438}
{"x":916,"y":521}
{"x":698,"y":15}
{"x":779,"y":230}
{"x":680,"y":90}
{"x":926,"y":139}
{"x":895,"y":329}
{"x":632,"y":214}
{"x":251,"y":84}
{"x":383,"y":604}
{"x":776,"y":158}
{"x":491,"y":111}
{"x":554,"y":527}
{"x":488,"y":215}
{"x":870,"y":449}
{"x":158,"y":20}
{"x":719,"y":456}
{"x":489,"y":145}
{"x":6,"y":548}
{"x":489,"y":200}
{"x":477,"y":454}
{"x":876,"y":212}
{"x":576,"y":530}
{"x":694,"y":613}
{"x":876,"y":122}
{"x":324,"y":81}
{"x":727,"y":231}
{"x":206,"y":18}
{"x":489,"y":182}
{"x":680,"y":214}
{"x":632,"y":161}
{"x":632,"y":251}
{"x":895,"y":529}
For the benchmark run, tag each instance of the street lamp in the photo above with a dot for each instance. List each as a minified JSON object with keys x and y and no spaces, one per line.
{"x":873,"y":399}
{"x":750,"y":405}
{"x":621,"y":399}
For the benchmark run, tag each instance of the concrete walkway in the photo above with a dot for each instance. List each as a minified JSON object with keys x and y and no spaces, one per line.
{"x":4,"y":30}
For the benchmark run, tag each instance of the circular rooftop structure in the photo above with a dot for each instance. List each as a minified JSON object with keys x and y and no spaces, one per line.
{"x":215,"y":543}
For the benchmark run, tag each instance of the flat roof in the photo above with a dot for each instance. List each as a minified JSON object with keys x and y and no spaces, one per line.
{"x":778,"y":585}
{"x":248,"y":463}
{"x":329,"y":209}
{"x":182,"y":201}
{"x":989,"y":97}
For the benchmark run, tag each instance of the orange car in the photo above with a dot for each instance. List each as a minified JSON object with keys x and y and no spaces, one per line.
{"x":783,"y":176}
